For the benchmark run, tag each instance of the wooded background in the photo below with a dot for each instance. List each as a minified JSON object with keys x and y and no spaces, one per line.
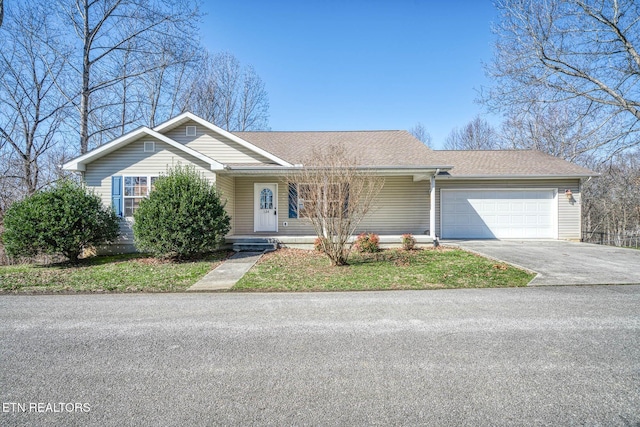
{"x":78,"y":73}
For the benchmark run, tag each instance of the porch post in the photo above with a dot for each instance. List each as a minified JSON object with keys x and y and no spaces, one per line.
{"x":432,"y":207}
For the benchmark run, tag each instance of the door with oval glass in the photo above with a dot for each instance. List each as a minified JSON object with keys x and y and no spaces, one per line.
{"x":265,"y":207}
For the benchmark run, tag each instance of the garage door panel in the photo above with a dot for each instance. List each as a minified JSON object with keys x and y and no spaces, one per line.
{"x":513,"y":213}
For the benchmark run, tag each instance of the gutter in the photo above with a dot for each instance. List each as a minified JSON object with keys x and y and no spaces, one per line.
{"x":456,"y":177}
{"x":267,"y":169}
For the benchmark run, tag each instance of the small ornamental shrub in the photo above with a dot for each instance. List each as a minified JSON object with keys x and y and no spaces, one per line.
{"x":368,"y":242}
{"x":183,"y":216}
{"x":408,"y":242}
{"x":319,"y":244}
{"x":65,"y":219}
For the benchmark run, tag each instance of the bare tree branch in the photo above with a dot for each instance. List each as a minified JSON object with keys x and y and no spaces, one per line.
{"x":478,"y":134}
{"x":334,"y":196}
{"x":570,"y":55}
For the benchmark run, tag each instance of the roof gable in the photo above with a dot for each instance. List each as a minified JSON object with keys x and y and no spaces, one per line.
{"x":215,"y":145}
{"x":187,"y":116}
{"x":79,"y":163}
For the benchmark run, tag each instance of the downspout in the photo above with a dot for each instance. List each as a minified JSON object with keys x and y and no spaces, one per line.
{"x":432,"y":208}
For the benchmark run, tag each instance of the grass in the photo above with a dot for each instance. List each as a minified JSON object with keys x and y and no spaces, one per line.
{"x":118,"y":273}
{"x":298,"y":270}
{"x":284,"y":270}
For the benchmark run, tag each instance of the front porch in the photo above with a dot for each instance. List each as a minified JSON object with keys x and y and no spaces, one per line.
{"x":306,"y":242}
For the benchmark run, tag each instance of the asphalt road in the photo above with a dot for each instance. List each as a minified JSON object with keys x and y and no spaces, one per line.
{"x":522,"y":356}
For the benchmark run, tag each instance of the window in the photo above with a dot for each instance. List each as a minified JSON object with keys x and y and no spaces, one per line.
{"x":266,"y":199}
{"x":331,"y":200}
{"x":149,"y":146}
{"x":135,"y":189}
{"x":191,"y":131}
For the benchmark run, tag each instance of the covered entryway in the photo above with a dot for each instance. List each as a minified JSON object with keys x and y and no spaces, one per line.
{"x":265,"y":216}
{"x":499,"y":214}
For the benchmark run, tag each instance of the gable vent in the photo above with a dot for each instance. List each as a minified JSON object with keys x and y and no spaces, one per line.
{"x":149,"y":146}
{"x":191,"y":131}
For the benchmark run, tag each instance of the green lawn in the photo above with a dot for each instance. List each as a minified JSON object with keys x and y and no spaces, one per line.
{"x":120,"y":273}
{"x":298,"y":270}
{"x":284,"y":270}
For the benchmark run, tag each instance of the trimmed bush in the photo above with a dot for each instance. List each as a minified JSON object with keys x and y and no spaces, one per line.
{"x":183,"y":216}
{"x":408,"y":241}
{"x":368,"y":242}
{"x":65,"y":219}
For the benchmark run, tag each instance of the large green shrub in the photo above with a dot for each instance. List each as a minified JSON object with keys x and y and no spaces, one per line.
{"x":62,"y":220}
{"x":182,"y":217}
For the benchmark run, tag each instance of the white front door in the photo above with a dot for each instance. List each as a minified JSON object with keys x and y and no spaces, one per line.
{"x":265,"y":216}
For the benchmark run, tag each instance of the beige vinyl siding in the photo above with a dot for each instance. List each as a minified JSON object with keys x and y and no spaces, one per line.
{"x":401,"y":207}
{"x":226,"y":189}
{"x":214,"y":145}
{"x":131,"y":160}
{"x":569,"y":221}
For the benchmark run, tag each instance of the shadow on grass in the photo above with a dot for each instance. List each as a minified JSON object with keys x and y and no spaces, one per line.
{"x":143,"y":257}
{"x":399,"y":257}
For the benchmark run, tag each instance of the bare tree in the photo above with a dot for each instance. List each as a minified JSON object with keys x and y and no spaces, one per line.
{"x":227,"y":76}
{"x":253,"y":106}
{"x":611,"y":203}
{"x":31,"y":109}
{"x":333,"y":195}
{"x":478,"y":134}
{"x":419,"y":131}
{"x":164,"y":88}
{"x":105,"y":29}
{"x":580,"y":52}
{"x":228,"y":95}
{"x":556,"y":129}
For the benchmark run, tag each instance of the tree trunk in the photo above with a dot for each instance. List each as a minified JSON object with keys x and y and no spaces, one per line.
{"x":84,"y":93}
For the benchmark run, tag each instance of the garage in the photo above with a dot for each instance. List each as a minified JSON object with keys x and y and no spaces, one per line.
{"x":498,"y":214}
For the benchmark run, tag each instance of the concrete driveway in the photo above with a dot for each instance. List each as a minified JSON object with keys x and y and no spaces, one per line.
{"x":564,"y":263}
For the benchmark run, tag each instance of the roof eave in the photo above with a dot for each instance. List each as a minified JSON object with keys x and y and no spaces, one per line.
{"x":79,"y":163}
{"x":381,"y":169}
{"x":187,"y":115}
{"x":512,"y":176}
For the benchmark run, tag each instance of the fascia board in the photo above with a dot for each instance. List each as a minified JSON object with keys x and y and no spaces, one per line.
{"x":78,"y":164}
{"x":168,"y":124}
{"x":455,"y":177}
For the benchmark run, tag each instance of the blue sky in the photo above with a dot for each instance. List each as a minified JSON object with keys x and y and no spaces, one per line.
{"x":360,"y":65}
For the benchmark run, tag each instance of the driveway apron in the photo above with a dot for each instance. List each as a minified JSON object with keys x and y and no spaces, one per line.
{"x":562,"y":262}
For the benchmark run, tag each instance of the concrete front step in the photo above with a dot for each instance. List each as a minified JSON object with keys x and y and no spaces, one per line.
{"x":262,"y":246}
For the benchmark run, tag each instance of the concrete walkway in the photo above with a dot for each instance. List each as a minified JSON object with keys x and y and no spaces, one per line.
{"x":228,"y":273}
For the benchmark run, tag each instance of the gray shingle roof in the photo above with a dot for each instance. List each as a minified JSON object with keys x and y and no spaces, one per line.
{"x":507,"y":163}
{"x":370,"y":148}
{"x":400,"y":148}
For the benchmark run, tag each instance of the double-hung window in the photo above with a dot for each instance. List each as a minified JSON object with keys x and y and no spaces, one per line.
{"x":136,"y":188}
{"x":308,"y":200}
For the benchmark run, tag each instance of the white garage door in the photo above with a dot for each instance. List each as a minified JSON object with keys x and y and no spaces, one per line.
{"x":498,"y":214}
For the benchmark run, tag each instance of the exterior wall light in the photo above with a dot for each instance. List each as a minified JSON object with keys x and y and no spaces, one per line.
{"x":569,"y":194}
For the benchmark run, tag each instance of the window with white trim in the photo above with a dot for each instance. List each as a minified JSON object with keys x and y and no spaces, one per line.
{"x":331,"y":201}
{"x":136,"y":188}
